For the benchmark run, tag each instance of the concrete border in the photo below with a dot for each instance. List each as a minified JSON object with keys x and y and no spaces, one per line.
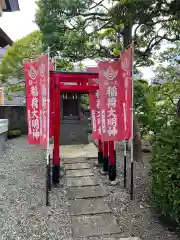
{"x":3,"y":133}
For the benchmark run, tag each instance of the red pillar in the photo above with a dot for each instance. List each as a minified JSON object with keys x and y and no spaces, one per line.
{"x":56,"y":158}
{"x":112,"y":162}
{"x":105,"y":157}
{"x":100,"y":152}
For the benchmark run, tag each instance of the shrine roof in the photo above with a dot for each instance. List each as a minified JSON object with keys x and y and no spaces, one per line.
{"x":4,"y":39}
{"x":74,"y":76}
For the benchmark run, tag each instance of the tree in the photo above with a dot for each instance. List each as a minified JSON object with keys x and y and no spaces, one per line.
{"x":84,"y":29}
{"x":25,"y":49}
{"x":78,"y":28}
{"x":12,"y":66}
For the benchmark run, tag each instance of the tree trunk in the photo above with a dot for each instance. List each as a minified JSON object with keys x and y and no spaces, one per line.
{"x":127,"y":39}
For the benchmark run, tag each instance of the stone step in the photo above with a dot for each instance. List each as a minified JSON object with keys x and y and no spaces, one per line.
{"x":75,"y":160}
{"x":88,"y":206}
{"x":73,"y":166}
{"x":82,"y":181}
{"x":97,"y":225}
{"x":86,"y":192}
{"x":79,"y":173}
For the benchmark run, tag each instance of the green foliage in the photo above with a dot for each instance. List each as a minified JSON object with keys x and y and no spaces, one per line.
{"x":84,"y":29}
{"x":85,"y":101}
{"x":165,"y":171}
{"x":165,"y":165}
{"x":22,"y":50}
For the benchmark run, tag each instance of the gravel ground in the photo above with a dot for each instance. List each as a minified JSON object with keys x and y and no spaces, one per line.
{"x":136,"y":217}
{"x":23,"y":214}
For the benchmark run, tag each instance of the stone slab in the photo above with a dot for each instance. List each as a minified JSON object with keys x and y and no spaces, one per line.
{"x":74,"y":160}
{"x":79,"y":173}
{"x":88,"y":206}
{"x":86,"y":192}
{"x":96,"y":225}
{"x":130,"y":238}
{"x":73,"y":166}
{"x":83,"y":181}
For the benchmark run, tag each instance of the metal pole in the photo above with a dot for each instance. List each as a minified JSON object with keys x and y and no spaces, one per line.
{"x":125,"y":162}
{"x":132,"y":125}
{"x":48,"y":167}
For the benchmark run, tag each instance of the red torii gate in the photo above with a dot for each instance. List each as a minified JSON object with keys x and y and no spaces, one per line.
{"x":57,"y":86}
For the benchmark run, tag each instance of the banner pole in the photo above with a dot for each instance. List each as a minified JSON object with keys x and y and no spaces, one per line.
{"x":132,"y":123}
{"x":48,"y":167}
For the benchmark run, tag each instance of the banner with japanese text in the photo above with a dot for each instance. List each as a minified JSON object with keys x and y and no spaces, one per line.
{"x":126,"y":66}
{"x":43,"y":64}
{"x":111,"y":101}
{"x":32,"y":101}
{"x":94,"y":102}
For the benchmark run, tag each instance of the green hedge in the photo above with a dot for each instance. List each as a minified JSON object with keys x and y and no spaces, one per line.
{"x":165,"y":171}
{"x":14,"y":133}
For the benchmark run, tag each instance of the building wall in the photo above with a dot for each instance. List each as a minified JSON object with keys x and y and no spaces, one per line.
{"x":16,"y":116}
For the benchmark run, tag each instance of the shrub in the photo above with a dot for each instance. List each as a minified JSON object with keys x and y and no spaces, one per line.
{"x":14,"y":133}
{"x":165,"y":171}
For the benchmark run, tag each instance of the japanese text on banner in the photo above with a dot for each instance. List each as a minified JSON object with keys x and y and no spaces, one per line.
{"x":32,"y":102}
{"x":112,"y":121}
{"x":126,"y":66}
{"x":94,"y":98}
{"x":44,"y":100}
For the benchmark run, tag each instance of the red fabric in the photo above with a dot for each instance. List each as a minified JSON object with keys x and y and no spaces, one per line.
{"x":32,"y":101}
{"x":126,"y":66}
{"x":43,"y":65}
{"x":51,"y":102}
{"x":111,"y":101}
{"x":94,"y":102}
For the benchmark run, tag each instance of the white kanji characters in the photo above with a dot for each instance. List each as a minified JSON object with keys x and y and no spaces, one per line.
{"x":41,"y":121}
{"x":97,"y":94}
{"x":111,"y":91}
{"x":44,"y":123}
{"x":34,"y":103}
{"x":35,"y":123}
{"x":111,"y":102}
{"x":103,"y":117}
{"x":112,"y":131}
{"x":98,"y":103}
{"x":34,"y":91}
{"x":98,"y":118}
{"x":94,"y":121}
{"x":35,"y":133}
{"x":99,"y":130}
{"x":111,"y":113}
{"x":112,"y":122}
{"x":34,"y":113}
{"x":44,"y":103}
{"x":30,"y":82}
{"x":43,"y":90}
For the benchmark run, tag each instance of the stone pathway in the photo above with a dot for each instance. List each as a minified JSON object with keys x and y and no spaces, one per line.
{"x":90,"y":213}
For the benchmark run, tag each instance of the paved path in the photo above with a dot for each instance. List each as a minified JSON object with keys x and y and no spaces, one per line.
{"x":89,"y":210}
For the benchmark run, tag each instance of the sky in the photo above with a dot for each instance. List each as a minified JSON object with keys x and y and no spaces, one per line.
{"x":19,"y":24}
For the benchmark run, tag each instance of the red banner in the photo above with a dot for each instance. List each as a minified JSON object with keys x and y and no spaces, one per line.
{"x":32,"y":102}
{"x":126,"y":66}
{"x":94,"y":102}
{"x":111,"y":101}
{"x":51,"y":103}
{"x":43,"y":65}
